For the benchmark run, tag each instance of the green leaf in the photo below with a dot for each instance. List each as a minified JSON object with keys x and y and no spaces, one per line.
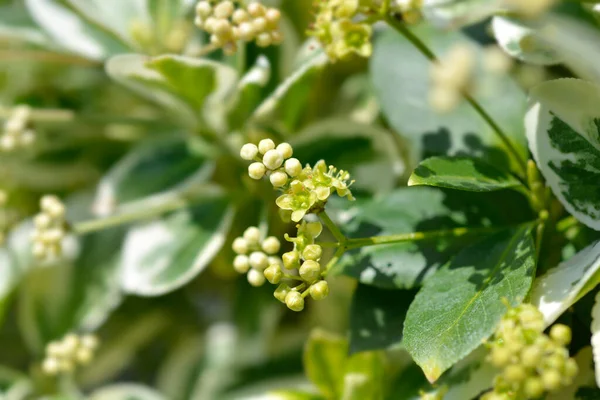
{"x":470,"y":376}
{"x":377,"y":318}
{"x":559,"y":288}
{"x":192,"y":88}
{"x":400,"y":75}
{"x":365,"y":151}
{"x":72,"y":32}
{"x":324,"y":362}
{"x":461,"y":304}
{"x":290,"y":395}
{"x":163,"y":255}
{"x":419,"y":209}
{"x":150,"y":167}
{"x":563,"y":128}
{"x":126,"y":391}
{"x":365,"y":377}
{"x":462,"y":173}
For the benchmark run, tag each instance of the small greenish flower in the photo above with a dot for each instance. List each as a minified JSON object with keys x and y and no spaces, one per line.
{"x":350,"y":38}
{"x":299,"y":199}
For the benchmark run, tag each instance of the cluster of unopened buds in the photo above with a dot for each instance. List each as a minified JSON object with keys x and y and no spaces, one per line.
{"x":337,"y":29}
{"x":17,"y":132}
{"x":228,"y":22}
{"x":49,"y":227}
{"x":256,"y":257}
{"x":64,"y":355}
{"x":532,"y":363}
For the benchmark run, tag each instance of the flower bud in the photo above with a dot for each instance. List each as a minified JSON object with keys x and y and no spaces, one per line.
{"x":209,"y":24}
{"x":276,"y":37}
{"x":500,"y":357}
{"x":249,"y":151}
{"x":293,"y":167}
{"x":89,"y":342}
{"x":281,"y":292}
{"x":271,"y":245}
{"x":222,"y":28}
{"x":571,"y":368}
{"x":319,"y":290}
{"x":515,"y":373}
{"x":285,"y":149}
{"x":533,"y":388}
{"x":256,"y":9}
{"x":273,"y":274}
{"x":273,"y":16}
{"x":310,"y":271}
{"x":256,"y":278}
{"x":312,"y":252}
{"x":224,"y":9}
{"x":240,"y":245}
{"x":203,"y":9}
{"x":256,"y":170}
{"x":551,"y":379}
{"x":51,"y":366}
{"x":42,"y":221}
{"x":278,"y":179}
{"x":265,"y":145}
{"x":239,"y":16}
{"x":272,"y":159}
{"x":84,"y":355}
{"x":246,"y":31}
{"x":259,"y":24}
{"x":263,"y":40}
{"x":252,"y":235}
{"x":531,"y":356}
{"x":259,"y":260}
{"x":294,"y":301}
{"x":561,"y":334}
{"x":54,"y":349}
{"x":291,"y":259}
{"x":241,"y":264}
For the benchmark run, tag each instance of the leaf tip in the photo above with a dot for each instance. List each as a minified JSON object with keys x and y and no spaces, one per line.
{"x":432,"y":371}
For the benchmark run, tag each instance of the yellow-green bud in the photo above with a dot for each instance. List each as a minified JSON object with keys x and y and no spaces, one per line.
{"x":252,"y":235}
{"x":224,"y":9}
{"x":531,"y":318}
{"x":312,"y":252}
{"x":51,"y":366}
{"x":203,"y":9}
{"x":258,"y":260}
{"x":271,"y":245}
{"x":240,"y":246}
{"x":239,"y":16}
{"x":561,"y":334}
{"x":272,"y":159}
{"x":246,"y":31}
{"x":256,"y":170}
{"x":273,"y":16}
{"x":260,"y":24}
{"x":515,"y":373}
{"x":263,"y":40}
{"x":310,"y":271}
{"x":285,"y":149}
{"x":531,"y":356}
{"x":84,"y":355}
{"x":281,"y":292}
{"x":551,"y":379}
{"x":571,"y":368}
{"x":265,"y":145}
{"x":241,"y":264}
{"x":319,"y":290}
{"x":249,"y":151}
{"x":294,"y":301}
{"x":278,"y":179}
{"x":256,"y":277}
{"x":222,"y":28}
{"x":293,"y":167}
{"x":533,"y":388}
{"x":273,"y":274}
{"x":256,"y":9}
{"x":89,"y":341}
{"x":500,"y":357}
{"x":291,"y":259}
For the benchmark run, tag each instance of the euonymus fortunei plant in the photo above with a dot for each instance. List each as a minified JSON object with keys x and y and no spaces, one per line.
{"x":418,"y":179}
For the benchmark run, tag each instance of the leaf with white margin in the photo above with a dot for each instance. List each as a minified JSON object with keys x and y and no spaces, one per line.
{"x":521,"y":42}
{"x":449,"y":14}
{"x":563,"y":130}
{"x":192,"y":88}
{"x":126,"y":391}
{"x":72,"y":32}
{"x":163,"y":255}
{"x":595,"y":328}
{"x":559,"y":288}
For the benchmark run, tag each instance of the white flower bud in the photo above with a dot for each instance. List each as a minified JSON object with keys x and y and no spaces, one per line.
{"x":240,"y":16}
{"x":273,"y":16}
{"x":278,"y":179}
{"x":222,"y":28}
{"x":252,"y":235}
{"x":42,"y":221}
{"x":39,"y":250}
{"x":56,"y":210}
{"x":259,"y":260}
{"x":263,"y":40}
{"x":294,"y":301}
{"x":249,"y":151}
{"x":89,"y":341}
{"x":47,"y":202}
{"x":256,"y":170}
{"x":271,"y":245}
{"x":8,"y":143}
{"x":224,"y":9}
{"x":265,"y":145}
{"x":312,"y":252}
{"x":50,"y":366}
{"x":274,"y":260}
{"x":240,"y":246}
{"x":256,"y":9}
{"x":260,"y":24}
{"x":241,"y":264}
{"x":246,"y":31}
{"x":256,"y":278}
{"x":54,"y":350}
{"x":310,"y":271}
{"x":319,"y":290}
{"x":204,"y":9}
{"x":209,"y":24}
{"x":216,"y":40}
{"x":285,"y":149}
{"x":199,"y":22}
{"x":70,"y":343}
{"x":84,"y":355}
{"x":293,"y":167}
{"x":272,"y":159}
{"x":273,"y":274}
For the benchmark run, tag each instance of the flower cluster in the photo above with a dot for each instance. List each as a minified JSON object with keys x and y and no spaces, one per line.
{"x":255,"y":257}
{"x":338,"y":31}
{"x":532,"y":363}
{"x":64,"y":355}
{"x":17,"y":133}
{"x":451,"y":77}
{"x":305,"y":189}
{"x":49,"y":228}
{"x":228,"y":23}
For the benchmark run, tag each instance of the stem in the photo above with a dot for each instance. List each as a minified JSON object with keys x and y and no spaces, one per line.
{"x":147,"y":208}
{"x":336,"y":257}
{"x":292,"y":277}
{"x":418,"y":236}
{"x":422,"y":47}
{"x":335,"y":231}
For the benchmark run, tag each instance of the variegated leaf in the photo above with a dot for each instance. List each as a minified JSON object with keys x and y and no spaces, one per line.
{"x":596,"y":337}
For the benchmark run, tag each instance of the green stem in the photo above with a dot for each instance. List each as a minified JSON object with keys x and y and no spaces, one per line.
{"x":422,"y":47}
{"x":418,"y":236}
{"x":335,"y":231}
{"x":292,"y":277}
{"x":336,"y":257}
{"x":147,"y":208}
